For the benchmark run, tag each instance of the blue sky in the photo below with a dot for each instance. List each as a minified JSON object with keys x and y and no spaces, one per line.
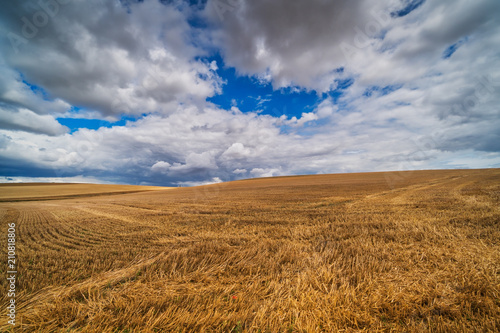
{"x":250,"y":94}
{"x":193,"y":92}
{"x":247,"y":93}
{"x":75,"y":124}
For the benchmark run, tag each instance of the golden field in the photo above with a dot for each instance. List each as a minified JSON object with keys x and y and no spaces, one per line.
{"x":45,"y":191}
{"x":415,"y":251}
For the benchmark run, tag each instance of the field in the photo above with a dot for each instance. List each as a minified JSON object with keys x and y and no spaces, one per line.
{"x":44,"y":191}
{"x":414,"y":251}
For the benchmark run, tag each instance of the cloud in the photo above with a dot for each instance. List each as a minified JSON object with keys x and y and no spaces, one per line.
{"x":99,"y":55}
{"x":215,"y":143}
{"x":206,"y":192}
{"x":161,"y":166}
{"x":411,"y":5}
{"x":305,"y":43}
{"x":236,"y":151}
{"x":76,"y":179}
{"x":259,"y":172}
{"x":26,"y":120}
{"x":195,"y":163}
{"x":293,"y":44}
{"x":415,"y":92}
{"x":16,"y":93}
{"x":306,"y":117}
{"x":405,"y":107}
{"x":168,"y":150}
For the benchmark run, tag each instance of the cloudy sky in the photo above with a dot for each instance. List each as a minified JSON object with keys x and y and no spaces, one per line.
{"x":190,"y":92}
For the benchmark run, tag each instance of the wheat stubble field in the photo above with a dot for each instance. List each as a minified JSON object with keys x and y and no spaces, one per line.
{"x":375,"y":252}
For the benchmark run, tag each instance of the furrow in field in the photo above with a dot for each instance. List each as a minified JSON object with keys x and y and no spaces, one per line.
{"x":3,"y":212}
{"x":84,"y":229}
{"x":72,"y":233}
{"x":109,"y":216}
{"x":31,"y":226}
{"x":119,"y":222}
{"x":68,"y":233}
{"x":43,"y":231}
{"x":72,"y":236}
{"x":24,"y":232}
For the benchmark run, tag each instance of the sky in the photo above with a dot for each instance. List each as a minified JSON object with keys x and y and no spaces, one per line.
{"x":182,"y":93}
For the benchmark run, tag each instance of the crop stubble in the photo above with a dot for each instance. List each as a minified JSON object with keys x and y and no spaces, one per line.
{"x":293,"y":254}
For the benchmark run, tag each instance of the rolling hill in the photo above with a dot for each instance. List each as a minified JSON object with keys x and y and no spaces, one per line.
{"x":369,"y":252}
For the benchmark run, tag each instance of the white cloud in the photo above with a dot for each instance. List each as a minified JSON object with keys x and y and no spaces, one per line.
{"x":236,"y":151}
{"x":161,"y":166}
{"x":195,"y":163}
{"x":293,"y":43}
{"x":260,"y":172}
{"x":215,"y":180}
{"x":26,"y":120}
{"x":94,"y":54}
{"x":409,"y":107}
{"x":305,"y":117}
{"x":76,"y":179}
{"x":216,"y":143}
{"x":17,"y":94}
{"x":240,"y":171}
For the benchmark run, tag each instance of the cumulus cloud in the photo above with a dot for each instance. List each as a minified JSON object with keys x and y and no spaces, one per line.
{"x":217,"y":144}
{"x":105,"y":56}
{"x":294,"y":44}
{"x":236,"y":151}
{"x":305,"y":43}
{"x":306,"y":117}
{"x":393,"y":51}
{"x":259,"y":172}
{"x":16,"y":93}
{"x":26,"y":120}
{"x":76,"y":179}
{"x":161,"y":166}
{"x":171,"y":150}
{"x":422,"y":91}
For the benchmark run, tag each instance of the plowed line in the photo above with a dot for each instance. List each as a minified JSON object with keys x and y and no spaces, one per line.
{"x":45,"y":233}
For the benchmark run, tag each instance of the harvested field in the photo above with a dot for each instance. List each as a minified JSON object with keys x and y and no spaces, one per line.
{"x":43,"y":191}
{"x":414,"y":251}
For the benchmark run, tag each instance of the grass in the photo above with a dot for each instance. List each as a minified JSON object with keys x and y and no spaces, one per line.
{"x":373,"y":252}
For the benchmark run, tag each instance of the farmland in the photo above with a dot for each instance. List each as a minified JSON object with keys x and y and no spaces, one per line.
{"x":406,"y":251}
{"x":41,"y":191}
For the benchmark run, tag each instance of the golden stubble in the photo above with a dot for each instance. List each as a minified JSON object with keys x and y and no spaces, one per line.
{"x":329,"y":253}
